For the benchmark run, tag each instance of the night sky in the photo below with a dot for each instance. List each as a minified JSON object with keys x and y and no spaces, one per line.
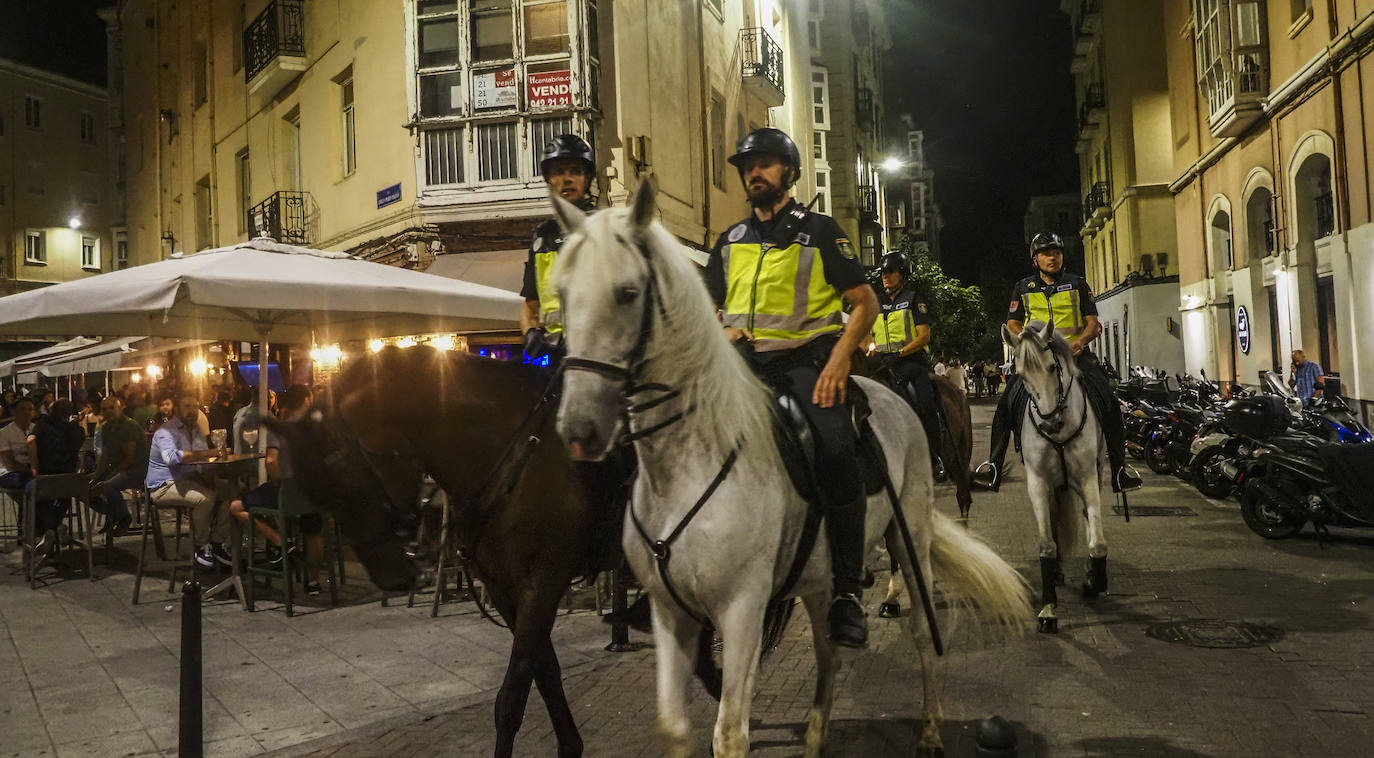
{"x":64,"y":36}
{"x":989,"y":82}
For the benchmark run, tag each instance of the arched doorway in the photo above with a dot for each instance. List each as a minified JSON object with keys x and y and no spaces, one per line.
{"x":1219,"y":231}
{"x":1259,"y":224}
{"x":1312,"y":306}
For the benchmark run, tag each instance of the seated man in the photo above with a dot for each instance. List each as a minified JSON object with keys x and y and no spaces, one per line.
{"x":16,"y":470}
{"x":122,"y":465}
{"x":173,"y":479}
{"x":54,"y":448}
{"x":292,"y":405}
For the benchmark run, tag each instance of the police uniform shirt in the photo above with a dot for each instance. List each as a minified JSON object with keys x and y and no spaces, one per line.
{"x":906,"y":302}
{"x":1035,"y":285}
{"x":791,"y":227}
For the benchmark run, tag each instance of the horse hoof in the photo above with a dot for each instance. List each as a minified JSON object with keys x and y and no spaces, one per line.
{"x":1059,"y":578}
{"x":889,"y":610}
{"x":1048,"y":626}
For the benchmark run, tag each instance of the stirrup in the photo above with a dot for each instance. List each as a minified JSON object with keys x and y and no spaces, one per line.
{"x":990,"y":481}
{"x":1130,"y":471}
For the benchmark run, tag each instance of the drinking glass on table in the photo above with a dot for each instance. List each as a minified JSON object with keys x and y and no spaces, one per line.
{"x":250,"y":438}
{"x":218,"y":437}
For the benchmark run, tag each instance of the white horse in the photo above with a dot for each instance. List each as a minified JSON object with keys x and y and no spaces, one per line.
{"x":644,"y":343}
{"x":1061,"y":443}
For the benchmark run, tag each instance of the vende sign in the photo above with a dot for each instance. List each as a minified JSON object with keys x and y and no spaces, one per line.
{"x":550,"y":89}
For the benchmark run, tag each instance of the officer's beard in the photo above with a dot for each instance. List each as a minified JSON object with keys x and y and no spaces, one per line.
{"x":765,"y":196}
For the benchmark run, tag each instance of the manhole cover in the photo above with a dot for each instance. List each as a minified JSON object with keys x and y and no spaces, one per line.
{"x":1214,"y":633}
{"x":1157,"y":510}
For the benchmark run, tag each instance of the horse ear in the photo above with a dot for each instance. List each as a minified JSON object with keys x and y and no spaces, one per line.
{"x":569,"y":216}
{"x":1010,"y":337}
{"x":645,"y":203}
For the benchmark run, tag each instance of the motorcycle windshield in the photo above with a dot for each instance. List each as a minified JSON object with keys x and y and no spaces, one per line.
{"x":1274,"y":385}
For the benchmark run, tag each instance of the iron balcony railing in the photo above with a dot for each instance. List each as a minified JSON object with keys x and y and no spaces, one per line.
{"x":1090,"y":110}
{"x":762,"y":57}
{"x":1098,"y":198}
{"x":278,"y":30}
{"x":283,"y":216}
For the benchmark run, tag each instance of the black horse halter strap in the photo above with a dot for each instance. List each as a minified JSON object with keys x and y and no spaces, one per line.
{"x":663,"y":549}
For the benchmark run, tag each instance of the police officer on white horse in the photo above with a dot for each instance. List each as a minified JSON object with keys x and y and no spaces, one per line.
{"x":1064,"y":301}
{"x":762,"y":274}
{"x":568,"y":166}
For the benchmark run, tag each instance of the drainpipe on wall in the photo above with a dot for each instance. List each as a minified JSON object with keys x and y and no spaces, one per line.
{"x":705,"y":132}
{"x":1338,"y":101}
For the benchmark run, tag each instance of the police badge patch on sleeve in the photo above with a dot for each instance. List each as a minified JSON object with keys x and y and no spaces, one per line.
{"x":538,"y":244}
{"x":736,"y":234}
{"x":921,"y":307}
{"x":846,"y":249}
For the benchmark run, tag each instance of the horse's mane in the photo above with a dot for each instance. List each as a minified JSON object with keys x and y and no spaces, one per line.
{"x":1031,"y":355}
{"x":694,"y":357}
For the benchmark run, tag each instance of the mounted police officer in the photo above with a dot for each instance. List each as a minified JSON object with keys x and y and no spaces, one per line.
{"x":1065,"y":301}
{"x":781,"y":279}
{"x":901,"y":339}
{"x":569,"y":167}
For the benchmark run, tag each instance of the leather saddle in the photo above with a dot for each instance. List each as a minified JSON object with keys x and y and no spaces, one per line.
{"x":796,"y":441}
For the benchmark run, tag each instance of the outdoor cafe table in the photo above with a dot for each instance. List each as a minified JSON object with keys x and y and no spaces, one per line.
{"x":232,"y":468}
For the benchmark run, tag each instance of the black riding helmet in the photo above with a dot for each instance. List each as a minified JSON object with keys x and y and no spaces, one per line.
{"x":894,"y":261}
{"x":768,"y":141}
{"x":568,"y":146}
{"x":1045,"y":241}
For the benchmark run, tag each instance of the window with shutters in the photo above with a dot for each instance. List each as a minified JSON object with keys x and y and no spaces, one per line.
{"x":1231,"y":48}
{"x":496,"y":79}
{"x":820,"y":98}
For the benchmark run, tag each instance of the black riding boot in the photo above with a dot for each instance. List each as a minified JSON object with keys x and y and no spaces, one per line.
{"x":989,"y":475}
{"x":1124,"y":479}
{"x":845,"y":527}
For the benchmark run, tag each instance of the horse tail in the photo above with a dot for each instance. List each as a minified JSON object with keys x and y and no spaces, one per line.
{"x":979,"y":577}
{"x":775,"y":618}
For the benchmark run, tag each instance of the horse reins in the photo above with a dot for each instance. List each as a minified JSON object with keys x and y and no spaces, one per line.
{"x":628,"y":374}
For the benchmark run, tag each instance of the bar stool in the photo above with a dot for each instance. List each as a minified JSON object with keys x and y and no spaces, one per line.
{"x":290,"y":506}
{"x":72,"y":488}
{"x":153,"y":525}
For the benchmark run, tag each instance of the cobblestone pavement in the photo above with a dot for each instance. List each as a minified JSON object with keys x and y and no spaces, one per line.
{"x":1302,"y":684}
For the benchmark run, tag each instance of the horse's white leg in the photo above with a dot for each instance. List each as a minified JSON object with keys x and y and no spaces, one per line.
{"x":827,"y":666}
{"x":1042,"y":501}
{"x":741,"y":629}
{"x":1097,"y":540}
{"x":675,"y":637}
{"x":891,"y":607}
{"x":934,"y":716}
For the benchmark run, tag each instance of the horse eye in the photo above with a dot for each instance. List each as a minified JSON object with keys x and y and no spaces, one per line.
{"x":626,"y":294}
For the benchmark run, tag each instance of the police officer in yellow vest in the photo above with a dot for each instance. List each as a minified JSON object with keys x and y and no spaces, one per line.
{"x":569,"y":167}
{"x":781,"y":279}
{"x":1057,"y":297}
{"x":901,"y":339}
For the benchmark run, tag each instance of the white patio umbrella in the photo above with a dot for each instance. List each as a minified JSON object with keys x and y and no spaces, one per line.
{"x":261,"y":291}
{"x":27,"y":361}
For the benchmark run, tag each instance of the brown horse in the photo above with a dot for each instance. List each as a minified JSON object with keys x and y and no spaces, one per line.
{"x":524,"y":514}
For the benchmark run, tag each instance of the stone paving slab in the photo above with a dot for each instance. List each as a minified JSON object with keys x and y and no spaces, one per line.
{"x":1099,"y":688}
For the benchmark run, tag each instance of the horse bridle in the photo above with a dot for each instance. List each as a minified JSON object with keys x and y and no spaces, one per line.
{"x":629,"y":372}
{"x":1061,"y":399}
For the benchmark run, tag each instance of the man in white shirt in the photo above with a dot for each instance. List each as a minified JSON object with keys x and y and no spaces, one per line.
{"x":16,"y":468}
{"x":940,"y":368}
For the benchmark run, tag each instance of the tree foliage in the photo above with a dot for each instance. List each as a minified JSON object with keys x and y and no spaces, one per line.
{"x":961,"y":326}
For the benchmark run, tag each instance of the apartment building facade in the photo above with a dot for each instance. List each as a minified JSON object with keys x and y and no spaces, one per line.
{"x":55,"y":202}
{"x":912,"y":210}
{"x":847,"y":39}
{"x":1130,"y":244}
{"x":1272,"y":184}
{"x":410,"y":132}
{"x":1058,"y":214}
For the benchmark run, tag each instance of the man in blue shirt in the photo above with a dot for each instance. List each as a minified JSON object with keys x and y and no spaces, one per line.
{"x":1306,"y":377}
{"x":174,"y":479}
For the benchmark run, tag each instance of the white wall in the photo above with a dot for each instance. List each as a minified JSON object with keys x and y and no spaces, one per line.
{"x":1140,"y":314}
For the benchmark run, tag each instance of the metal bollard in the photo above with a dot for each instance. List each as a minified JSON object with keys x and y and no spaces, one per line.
{"x":620,"y":628}
{"x":996,"y":738}
{"x":190,"y":743}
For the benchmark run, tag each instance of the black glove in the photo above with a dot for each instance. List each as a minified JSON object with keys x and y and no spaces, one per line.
{"x":536,"y":342}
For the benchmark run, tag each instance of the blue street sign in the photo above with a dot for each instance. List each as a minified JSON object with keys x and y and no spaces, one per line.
{"x":389,"y":195}
{"x":1243,"y":329}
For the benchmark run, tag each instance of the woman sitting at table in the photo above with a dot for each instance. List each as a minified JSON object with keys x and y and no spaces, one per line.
{"x":292,"y":405}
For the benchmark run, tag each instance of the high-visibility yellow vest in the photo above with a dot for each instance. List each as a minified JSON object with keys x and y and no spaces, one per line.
{"x":893,"y":330}
{"x":550,"y":308}
{"x":779,"y":294}
{"x":1059,"y":308}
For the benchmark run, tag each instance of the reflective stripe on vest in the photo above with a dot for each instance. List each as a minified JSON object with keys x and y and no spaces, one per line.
{"x":779,"y":294}
{"x":550,"y":309}
{"x":1058,"y":308}
{"x":893,"y":330}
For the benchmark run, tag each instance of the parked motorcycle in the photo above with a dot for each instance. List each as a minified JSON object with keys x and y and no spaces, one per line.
{"x":1329,"y":485}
